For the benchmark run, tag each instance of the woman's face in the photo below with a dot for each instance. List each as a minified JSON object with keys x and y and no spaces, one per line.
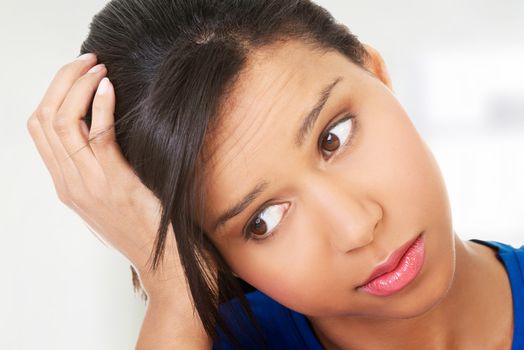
{"x":324,"y":208}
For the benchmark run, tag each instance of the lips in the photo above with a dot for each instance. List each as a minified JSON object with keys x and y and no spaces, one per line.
{"x":391,"y":262}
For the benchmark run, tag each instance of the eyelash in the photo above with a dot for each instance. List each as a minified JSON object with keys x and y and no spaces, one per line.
{"x":354,"y":128}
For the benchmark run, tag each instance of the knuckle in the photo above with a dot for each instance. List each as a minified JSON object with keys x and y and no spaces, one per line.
{"x":60,"y":124}
{"x":97,"y":108}
{"x":64,"y":70}
{"x":63,"y":198}
{"x":77,"y":196}
{"x":68,"y":68}
{"x":32,"y":124}
{"x":72,"y":68}
{"x":83,"y":80}
{"x":44,"y":113}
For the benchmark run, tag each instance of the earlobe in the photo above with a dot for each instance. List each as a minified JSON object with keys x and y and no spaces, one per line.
{"x":375,"y":64}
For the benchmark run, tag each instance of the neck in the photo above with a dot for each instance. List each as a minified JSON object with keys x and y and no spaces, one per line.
{"x":472,"y":314}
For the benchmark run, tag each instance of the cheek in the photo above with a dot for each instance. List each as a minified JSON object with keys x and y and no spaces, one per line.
{"x":283,"y":277}
{"x":299,"y":277}
{"x":413,"y":188}
{"x":413,"y":196}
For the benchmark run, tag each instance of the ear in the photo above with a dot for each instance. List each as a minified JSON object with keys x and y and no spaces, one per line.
{"x":376,"y":65}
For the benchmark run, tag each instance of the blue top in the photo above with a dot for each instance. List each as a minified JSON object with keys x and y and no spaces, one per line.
{"x":284,"y":328}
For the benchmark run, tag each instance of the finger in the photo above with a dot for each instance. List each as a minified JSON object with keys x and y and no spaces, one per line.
{"x":35,"y":130}
{"x":48,"y":107}
{"x":64,"y":79}
{"x":68,"y":122}
{"x":103,"y":136}
{"x":40,"y":141}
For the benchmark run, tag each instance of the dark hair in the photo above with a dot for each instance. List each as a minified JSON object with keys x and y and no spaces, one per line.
{"x":172,"y":63}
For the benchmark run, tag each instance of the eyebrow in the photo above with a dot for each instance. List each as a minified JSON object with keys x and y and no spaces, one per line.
{"x":308,"y":122}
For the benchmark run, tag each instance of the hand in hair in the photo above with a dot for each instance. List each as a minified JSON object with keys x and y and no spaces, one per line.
{"x":92,"y":177}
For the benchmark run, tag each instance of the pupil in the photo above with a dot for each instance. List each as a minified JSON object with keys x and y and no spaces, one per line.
{"x":259,"y":227}
{"x":331,"y":142}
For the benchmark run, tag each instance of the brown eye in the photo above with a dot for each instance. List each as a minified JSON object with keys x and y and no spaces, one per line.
{"x":330,"y":142}
{"x":337,"y":135}
{"x":266,"y":222}
{"x":258,"y":227}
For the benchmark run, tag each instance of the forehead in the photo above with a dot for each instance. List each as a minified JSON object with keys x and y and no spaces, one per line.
{"x":254,"y":138}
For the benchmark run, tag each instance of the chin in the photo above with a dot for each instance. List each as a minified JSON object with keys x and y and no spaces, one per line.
{"x":428,"y":298}
{"x":430,"y":291}
{"x":425,"y":293}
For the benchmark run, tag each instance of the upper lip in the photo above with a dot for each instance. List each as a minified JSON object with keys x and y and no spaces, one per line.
{"x":391,"y":262}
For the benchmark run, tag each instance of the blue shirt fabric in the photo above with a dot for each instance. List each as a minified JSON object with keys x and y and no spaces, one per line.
{"x":284,"y":328}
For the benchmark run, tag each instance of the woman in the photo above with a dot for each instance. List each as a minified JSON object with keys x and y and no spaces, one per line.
{"x":269,"y":141}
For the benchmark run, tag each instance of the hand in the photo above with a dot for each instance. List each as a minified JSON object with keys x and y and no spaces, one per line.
{"x":92,"y":177}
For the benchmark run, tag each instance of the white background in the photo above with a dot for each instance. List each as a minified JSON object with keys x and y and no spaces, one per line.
{"x":457,"y":67}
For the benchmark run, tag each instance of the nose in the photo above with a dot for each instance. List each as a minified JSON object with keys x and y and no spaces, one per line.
{"x":347,"y":218}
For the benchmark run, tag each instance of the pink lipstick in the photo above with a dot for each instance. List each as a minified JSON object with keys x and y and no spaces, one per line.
{"x":398,"y":271}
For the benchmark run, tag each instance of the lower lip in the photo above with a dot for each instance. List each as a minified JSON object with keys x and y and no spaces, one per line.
{"x":406,"y":271}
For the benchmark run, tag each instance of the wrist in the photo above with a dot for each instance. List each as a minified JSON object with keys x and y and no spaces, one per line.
{"x":170,"y":323}
{"x":163,"y":283}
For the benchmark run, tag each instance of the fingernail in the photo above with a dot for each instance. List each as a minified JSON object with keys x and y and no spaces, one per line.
{"x":96,"y":68}
{"x":103,"y":86}
{"x":86,"y":57}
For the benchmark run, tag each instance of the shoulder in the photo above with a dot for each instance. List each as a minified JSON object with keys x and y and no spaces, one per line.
{"x":513,"y":261}
{"x":276,"y":325}
{"x":512,"y":257}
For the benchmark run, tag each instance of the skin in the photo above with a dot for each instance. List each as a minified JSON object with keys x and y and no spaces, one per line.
{"x":345,"y":212}
{"x":94,"y":179}
{"x":344,"y":217}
